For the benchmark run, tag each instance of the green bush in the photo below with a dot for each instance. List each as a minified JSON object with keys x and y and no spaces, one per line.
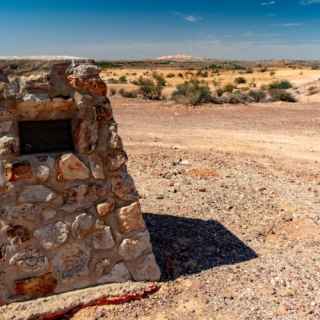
{"x":113,"y":92}
{"x":202,"y":74}
{"x":240,"y":80}
{"x":282,"y":85}
{"x":219,"y":92}
{"x":281,"y":95}
{"x":192,"y":92}
{"x":313,"y":90}
{"x":123,"y":79}
{"x":161,"y":81}
{"x":263,"y":69}
{"x":235,"y":98}
{"x":228,"y":88}
{"x":151,"y":88}
{"x":128,"y":94}
{"x":257,"y":95}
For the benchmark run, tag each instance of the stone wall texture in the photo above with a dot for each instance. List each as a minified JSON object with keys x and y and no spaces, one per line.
{"x":73,"y":219}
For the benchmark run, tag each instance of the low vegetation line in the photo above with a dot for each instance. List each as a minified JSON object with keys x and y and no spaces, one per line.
{"x":196,"y":91}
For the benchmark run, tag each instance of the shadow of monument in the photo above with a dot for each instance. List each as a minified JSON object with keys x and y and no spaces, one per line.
{"x":188,"y":246}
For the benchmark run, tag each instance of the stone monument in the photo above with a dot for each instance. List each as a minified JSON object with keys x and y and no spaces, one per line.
{"x":70,"y":215}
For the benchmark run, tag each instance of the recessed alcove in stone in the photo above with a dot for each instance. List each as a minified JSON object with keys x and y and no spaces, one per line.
{"x":45,"y":136}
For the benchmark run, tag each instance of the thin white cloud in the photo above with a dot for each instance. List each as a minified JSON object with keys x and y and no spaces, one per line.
{"x":309,"y":2}
{"x":268,"y":3}
{"x":188,"y":17}
{"x":191,"y":18}
{"x":289,"y":24}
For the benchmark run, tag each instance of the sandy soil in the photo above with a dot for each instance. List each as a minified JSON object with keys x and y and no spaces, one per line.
{"x":231,"y":197}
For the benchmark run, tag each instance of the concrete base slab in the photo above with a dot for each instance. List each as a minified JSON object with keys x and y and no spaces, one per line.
{"x":66,"y":304}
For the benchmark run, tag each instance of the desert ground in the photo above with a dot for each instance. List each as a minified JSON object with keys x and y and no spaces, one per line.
{"x":231,"y":197}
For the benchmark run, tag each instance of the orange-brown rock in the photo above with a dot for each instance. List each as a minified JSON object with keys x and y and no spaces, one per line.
{"x":105,"y":208}
{"x":21,"y":171}
{"x":130,"y":218}
{"x":94,"y":86}
{"x":37,"y":286}
{"x":71,"y":168}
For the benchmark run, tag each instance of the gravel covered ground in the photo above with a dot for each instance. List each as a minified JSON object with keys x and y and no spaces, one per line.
{"x":231,"y":198}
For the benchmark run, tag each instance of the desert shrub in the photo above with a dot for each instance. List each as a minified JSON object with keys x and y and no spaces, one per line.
{"x":240,"y":80}
{"x":252,"y":83}
{"x":249,"y":71}
{"x":282,"y":85}
{"x":180,"y":75}
{"x":219,"y":92}
{"x":272,"y":73}
{"x":216,"y":82}
{"x":281,"y":95}
{"x":263,"y":69}
{"x":235,"y":98}
{"x":257,"y":95}
{"x":161,"y":81}
{"x":170,"y":75}
{"x":315,"y":67}
{"x":229,"y":87}
{"x":112,"y":92}
{"x":112,"y":81}
{"x":202,"y":74}
{"x":313,"y":90}
{"x":123,"y":79}
{"x":150,"y":88}
{"x":192,"y":92}
{"x":189,"y":74}
{"x":106,"y":64}
{"x":128,"y":94}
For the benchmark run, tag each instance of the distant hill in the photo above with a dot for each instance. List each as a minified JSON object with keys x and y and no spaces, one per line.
{"x":177,"y":57}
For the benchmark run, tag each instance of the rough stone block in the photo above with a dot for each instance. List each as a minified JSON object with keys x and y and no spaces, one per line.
{"x":37,"y":286}
{"x":8,"y":146}
{"x":21,"y":170}
{"x":37,"y":193}
{"x":52,"y":236}
{"x":71,"y":168}
{"x":131,"y":249}
{"x":145,"y":269}
{"x":102,"y":239}
{"x":130,"y":218}
{"x":119,"y":273}
{"x":105,"y":208}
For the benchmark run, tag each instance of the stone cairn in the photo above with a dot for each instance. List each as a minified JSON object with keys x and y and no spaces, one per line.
{"x":69,"y":219}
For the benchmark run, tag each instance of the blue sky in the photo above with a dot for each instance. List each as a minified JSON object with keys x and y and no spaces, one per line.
{"x":106,"y":29}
